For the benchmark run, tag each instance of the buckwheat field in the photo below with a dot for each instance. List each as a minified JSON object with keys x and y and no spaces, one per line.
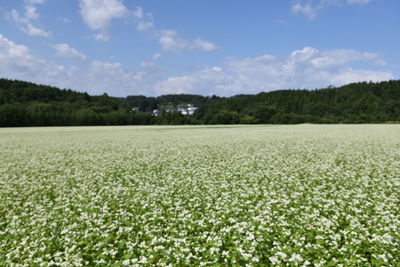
{"x":306,"y":195}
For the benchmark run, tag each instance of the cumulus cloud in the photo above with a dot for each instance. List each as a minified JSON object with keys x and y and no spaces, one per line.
{"x":17,"y":62}
{"x":31,"y":13}
{"x":204,"y":45}
{"x":171,"y":41}
{"x":66,"y":20}
{"x":98,"y":14}
{"x":117,"y":81}
{"x":66,"y":51}
{"x":144,"y":21}
{"x":310,"y":8}
{"x":35,"y":2}
{"x":150,"y":63}
{"x":305,"y":9}
{"x":157,"y":56}
{"x":351,"y":75}
{"x":147,"y":64}
{"x":360,"y":2}
{"x":29,"y":20}
{"x":305,"y":68}
{"x":207,"y":81}
{"x":114,"y":79}
{"x":102,"y":37}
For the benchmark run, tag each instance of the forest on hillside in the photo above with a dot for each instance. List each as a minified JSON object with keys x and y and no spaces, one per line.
{"x":28,"y":104}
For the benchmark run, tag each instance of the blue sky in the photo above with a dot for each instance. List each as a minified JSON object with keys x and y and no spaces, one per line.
{"x":155,"y":47}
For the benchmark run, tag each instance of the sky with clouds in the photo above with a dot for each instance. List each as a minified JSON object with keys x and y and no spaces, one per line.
{"x":224,"y":47}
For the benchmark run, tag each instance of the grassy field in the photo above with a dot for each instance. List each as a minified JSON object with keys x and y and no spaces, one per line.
{"x":320,"y":195}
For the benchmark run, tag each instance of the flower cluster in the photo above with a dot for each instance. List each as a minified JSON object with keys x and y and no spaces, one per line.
{"x":302,"y":195}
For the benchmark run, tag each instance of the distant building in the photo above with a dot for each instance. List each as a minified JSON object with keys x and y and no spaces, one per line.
{"x":182,"y":110}
{"x":190,"y":110}
{"x":156,"y":112}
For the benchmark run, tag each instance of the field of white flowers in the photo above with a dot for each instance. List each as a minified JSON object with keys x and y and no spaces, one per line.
{"x":303,"y":195}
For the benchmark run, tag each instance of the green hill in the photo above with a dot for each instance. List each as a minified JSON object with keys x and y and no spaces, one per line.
{"x":353,"y":103}
{"x":27,"y":104}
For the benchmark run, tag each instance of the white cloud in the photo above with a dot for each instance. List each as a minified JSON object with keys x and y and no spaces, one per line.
{"x":338,"y":57}
{"x":9,"y":49}
{"x":170,"y":41}
{"x":98,"y":14}
{"x":204,"y":45}
{"x":147,"y":64}
{"x":17,"y":62}
{"x":360,"y":2}
{"x":306,"y":68}
{"x":144,"y":21}
{"x":66,"y":20}
{"x":351,"y":75}
{"x":117,"y":81}
{"x":304,"y":9}
{"x":35,"y":2}
{"x":207,"y":81}
{"x":26,"y":22}
{"x":138,"y":13}
{"x":151,"y":63}
{"x":30,"y":13}
{"x":66,"y":51}
{"x":102,"y":37}
{"x":311,"y":8}
{"x":30,"y":29}
{"x":157,"y":56}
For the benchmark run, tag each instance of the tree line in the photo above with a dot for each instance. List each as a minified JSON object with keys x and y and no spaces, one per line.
{"x":28,"y":104}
